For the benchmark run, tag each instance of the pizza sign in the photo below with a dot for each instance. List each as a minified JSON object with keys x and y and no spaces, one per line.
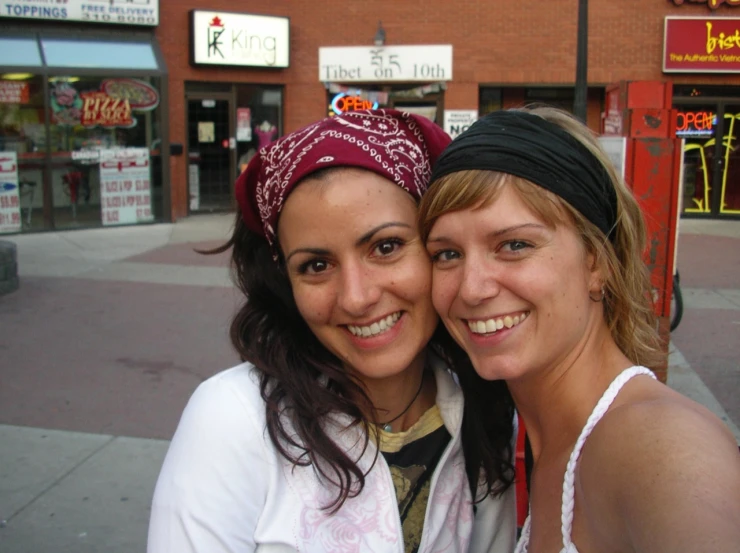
{"x":98,"y":108}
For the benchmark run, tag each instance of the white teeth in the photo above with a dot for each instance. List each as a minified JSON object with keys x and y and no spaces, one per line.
{"x":493,"y":325}
{"x":376,"y":328}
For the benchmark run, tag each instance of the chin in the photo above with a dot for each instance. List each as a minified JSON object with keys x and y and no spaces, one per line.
{"x":496,"y":369}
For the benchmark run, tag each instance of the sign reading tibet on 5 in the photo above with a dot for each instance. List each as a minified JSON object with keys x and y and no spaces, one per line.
{"x":114,"y":12}
{"x":385,"y":63}
{"x":223,"y":38}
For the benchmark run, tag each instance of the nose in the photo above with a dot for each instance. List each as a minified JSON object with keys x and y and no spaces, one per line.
{"x":359,"y":289}
{"x":479,"y":280}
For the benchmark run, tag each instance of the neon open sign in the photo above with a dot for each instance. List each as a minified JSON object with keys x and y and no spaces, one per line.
{"x":695,"y":123}
{"x":343,"y":102}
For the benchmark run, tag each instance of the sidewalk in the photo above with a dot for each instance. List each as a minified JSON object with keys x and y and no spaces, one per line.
{"x":90,"y":390}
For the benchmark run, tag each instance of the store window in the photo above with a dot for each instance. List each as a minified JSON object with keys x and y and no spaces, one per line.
{"x":80,"y":131}
{"x":425,"y":100}
{"x":711,"y":157}
{"x":490,"y":100}
{"x":22,"y":151}
{"x":101,"y":136}
{"x":562,"y":98}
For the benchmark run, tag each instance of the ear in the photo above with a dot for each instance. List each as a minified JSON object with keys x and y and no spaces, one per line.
{"x":597,"y":276}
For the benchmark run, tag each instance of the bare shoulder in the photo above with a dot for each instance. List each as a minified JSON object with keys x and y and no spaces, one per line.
{"x":659,"y":461}
{"x":651,"y":422}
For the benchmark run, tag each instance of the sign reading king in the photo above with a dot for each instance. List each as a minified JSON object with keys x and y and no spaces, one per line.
{"x":701,"y":45}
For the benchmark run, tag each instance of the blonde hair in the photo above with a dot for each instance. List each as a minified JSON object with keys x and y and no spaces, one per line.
{"x":628,"y":308}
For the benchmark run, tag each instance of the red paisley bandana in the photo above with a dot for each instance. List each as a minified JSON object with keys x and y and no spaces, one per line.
{"x":396,"y":145}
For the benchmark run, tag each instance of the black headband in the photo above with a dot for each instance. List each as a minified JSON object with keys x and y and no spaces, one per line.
{"x":528,"y":146}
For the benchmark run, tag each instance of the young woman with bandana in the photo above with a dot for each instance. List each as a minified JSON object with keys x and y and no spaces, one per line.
{"x":538,"y":274}
{"x":342,"y":430}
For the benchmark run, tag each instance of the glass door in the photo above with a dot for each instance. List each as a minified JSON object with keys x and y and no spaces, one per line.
{"x":211,"y":152}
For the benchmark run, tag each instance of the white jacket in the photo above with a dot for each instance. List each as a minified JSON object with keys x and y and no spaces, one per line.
{"x":224,"y":488}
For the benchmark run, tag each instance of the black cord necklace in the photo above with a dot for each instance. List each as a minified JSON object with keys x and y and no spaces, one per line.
{"x":387,"y":425}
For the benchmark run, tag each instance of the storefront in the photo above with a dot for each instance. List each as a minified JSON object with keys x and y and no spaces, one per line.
{"x":82,"y":119}
{"x":412,"y":78}
{"x":227,"y":122}
{"x":708,"y":116}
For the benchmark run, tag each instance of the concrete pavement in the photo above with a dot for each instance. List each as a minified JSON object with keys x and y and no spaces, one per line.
{"x":112,"y":329}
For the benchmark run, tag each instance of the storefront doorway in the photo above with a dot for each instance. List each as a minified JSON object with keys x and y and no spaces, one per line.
{"x":227,"y":123}
{"x":210,"y":152}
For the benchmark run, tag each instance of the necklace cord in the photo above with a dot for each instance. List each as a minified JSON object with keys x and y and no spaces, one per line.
{"x":416,"y":395}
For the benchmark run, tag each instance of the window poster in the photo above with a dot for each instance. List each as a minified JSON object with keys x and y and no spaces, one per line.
{"x":10,"y":205}
{"x":125,"y":186}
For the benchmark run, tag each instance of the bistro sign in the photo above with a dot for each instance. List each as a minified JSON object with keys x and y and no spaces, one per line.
{"x":223,"y":38}
{"x":701,"y":45}
{"x":713,"y":4}
{"x":120,"y":12}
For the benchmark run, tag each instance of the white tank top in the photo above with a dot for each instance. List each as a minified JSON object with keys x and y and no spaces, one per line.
{"x":569,"y":494}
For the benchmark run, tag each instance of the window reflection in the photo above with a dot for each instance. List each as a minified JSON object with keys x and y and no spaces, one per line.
{"x":19,"y":52}
{"x":103,"y":54}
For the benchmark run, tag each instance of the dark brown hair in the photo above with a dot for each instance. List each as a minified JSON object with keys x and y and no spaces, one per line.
{"x":301,"y":382}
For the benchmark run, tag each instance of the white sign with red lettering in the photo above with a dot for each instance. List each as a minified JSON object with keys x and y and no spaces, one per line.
{"x":125,"y":186}
{"x":10,"y":204}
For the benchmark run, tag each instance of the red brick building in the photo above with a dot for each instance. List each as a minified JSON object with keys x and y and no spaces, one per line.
{"x":229,"y":79}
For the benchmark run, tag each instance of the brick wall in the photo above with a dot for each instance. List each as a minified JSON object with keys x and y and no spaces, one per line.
{"x":499,"y":43}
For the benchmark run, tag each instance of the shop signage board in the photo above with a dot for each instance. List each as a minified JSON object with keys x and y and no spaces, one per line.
{"x":701,"y":45}
{"x":385,"y":63}
{"x":111,"y":12}
{"x":225,"y":38}
{"x":457,"y":121}
{"x":10,"y":204}
{"x":125,"y":186}
{"x":14,"y":92}
{"x":711,"y":4}
{"x":109,"y":106}
{"x":616,"y":148}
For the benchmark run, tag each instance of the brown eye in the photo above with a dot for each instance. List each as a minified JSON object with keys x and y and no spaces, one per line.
{"x":313,"y":267}
{"x":387,"y":247}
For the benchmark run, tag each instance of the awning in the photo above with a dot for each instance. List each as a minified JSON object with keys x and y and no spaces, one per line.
{"x":42,"y":52}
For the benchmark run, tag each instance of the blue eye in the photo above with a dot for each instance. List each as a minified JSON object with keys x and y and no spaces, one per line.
{"x":445,"y":255}
{"x":515,"y":245}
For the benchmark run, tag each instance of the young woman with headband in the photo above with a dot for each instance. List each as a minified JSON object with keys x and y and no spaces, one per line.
{"x":342,"y":430}
{"x":538,"y":274}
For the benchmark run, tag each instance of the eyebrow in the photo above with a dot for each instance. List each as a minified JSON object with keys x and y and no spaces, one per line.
{"x":361,"y":241}
{"x":494,"y":234}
